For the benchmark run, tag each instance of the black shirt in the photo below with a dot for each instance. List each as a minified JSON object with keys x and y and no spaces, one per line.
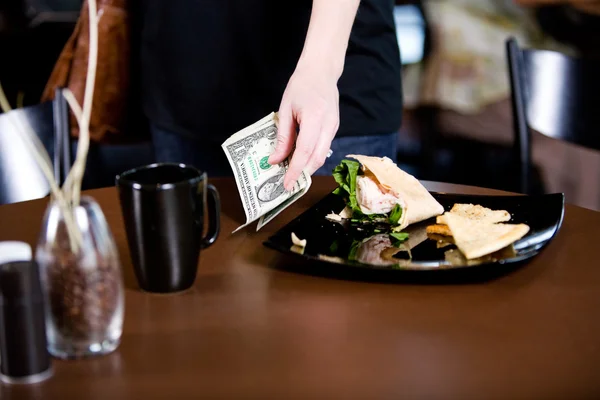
{"x":212,"y":67}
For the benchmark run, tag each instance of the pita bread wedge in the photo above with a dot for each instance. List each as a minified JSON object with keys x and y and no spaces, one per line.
{"x":476,"y":212}
{"x":418,"y":204}
{"x":476,"y":238}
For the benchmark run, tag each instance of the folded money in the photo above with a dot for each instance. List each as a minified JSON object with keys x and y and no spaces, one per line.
{"x":259,"y":183}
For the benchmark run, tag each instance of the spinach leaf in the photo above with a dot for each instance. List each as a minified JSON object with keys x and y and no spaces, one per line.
{"x":334,"y":247}
{"x":395,"y":214}
{"x":345,"y":174}
{"x":354,"y":250}
{"x":358,"y":216}
{"x":399,"y":237}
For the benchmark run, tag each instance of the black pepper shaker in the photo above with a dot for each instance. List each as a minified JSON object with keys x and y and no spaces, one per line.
{"x":24,"y":356}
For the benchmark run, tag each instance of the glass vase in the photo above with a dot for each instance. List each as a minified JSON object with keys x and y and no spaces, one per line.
{"x":82,"y":283}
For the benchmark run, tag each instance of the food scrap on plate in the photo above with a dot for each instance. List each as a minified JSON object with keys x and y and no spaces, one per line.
{"x":298,"y":245}
{"x":343,"y":215}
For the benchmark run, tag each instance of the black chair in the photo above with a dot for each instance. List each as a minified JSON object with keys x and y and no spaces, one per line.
{"x":20,"y":176}
{"x":555,"y":95}
{"x":52,"y":11}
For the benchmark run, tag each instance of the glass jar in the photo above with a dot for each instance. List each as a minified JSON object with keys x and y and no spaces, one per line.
{"x":83,"y":287}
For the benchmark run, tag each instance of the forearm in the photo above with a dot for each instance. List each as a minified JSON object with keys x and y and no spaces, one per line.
{"x":328,"y":33}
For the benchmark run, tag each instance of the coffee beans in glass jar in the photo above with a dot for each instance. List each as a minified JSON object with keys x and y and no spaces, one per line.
{"x":84,"y":288}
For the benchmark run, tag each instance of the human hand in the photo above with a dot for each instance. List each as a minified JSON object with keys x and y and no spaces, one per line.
{"x":310,"y":102}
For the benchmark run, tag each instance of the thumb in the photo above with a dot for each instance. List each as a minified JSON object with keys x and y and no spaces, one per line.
{"x":286,"y":134}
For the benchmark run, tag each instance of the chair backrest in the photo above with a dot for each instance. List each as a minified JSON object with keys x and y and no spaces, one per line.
{"x":20,"y":176}
{"x":555,"y":95}
{"x":51,"y":11}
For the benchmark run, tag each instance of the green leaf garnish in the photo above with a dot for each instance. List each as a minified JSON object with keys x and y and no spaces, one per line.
{"x":354,"y":250}
{"x":345,"y":174}
{"x":358,"y":216}
{"x":399,"y":236}
{"x":395,"y":214}
{"x":334,"y":247}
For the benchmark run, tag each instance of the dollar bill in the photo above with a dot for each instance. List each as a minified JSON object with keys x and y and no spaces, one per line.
{"x":260,"y":184}
{"x":270,"y":215}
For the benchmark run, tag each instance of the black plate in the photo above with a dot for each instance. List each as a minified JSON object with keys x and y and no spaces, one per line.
{"x":363,"y":248}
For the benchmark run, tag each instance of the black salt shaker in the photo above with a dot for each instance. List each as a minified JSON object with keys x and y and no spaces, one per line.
{"x":24,"y":356}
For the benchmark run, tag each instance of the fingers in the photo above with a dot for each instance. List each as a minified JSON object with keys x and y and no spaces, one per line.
{"x":310,"y":128}
{"x":321,"y":151}
{"x":286,"y":135}
{"x":317,"y":159}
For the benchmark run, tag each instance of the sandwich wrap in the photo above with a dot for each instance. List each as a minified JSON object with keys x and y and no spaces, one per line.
{"x":416,"y":202}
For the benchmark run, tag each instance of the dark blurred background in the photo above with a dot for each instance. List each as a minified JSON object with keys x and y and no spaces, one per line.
{"x":32,"y":34}
{"x":458,"y":119}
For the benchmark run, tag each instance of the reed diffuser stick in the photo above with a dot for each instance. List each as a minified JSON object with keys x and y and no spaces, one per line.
{"x":75,"y":176}
{"x":68,"y":196}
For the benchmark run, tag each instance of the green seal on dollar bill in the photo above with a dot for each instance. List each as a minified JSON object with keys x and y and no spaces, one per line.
{"x":264,"y":163}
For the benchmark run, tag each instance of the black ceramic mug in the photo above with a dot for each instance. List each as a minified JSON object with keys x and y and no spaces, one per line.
{"x":163,"y":207}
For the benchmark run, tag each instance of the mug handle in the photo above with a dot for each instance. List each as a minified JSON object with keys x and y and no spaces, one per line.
{"x":214,"y":217}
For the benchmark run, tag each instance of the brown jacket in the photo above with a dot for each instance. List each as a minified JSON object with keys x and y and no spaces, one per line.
{"x":111,"y":93}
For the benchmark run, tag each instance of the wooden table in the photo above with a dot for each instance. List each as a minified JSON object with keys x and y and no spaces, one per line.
{"x":251,"y":329}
